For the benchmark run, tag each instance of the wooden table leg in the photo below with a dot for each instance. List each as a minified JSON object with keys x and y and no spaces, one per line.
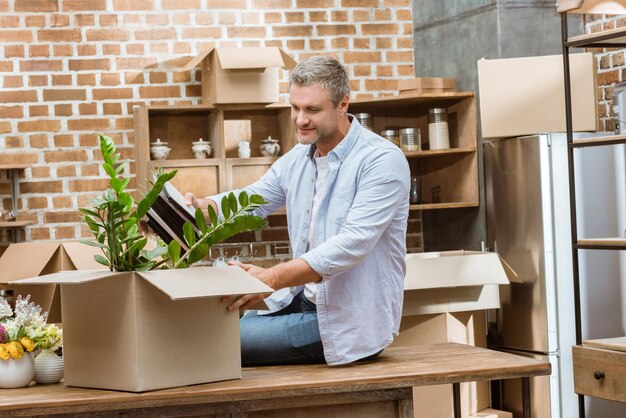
{"x":456,"y":396}
{"x":526,"y":411}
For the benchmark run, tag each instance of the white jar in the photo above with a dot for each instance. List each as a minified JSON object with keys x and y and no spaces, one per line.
{"x":270,"y":147}
{"x":201,"y":149}
{"x":159,"y":150}
{"x":244,"y":149}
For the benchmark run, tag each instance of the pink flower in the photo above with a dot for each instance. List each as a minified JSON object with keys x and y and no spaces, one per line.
{"x":3,"y":334}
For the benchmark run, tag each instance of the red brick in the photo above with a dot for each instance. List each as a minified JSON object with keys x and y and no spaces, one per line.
{"x":87,"y":109}
{"x":382,"y":15}
{"x":405,"y":42}
{"x":36,"y":6}
{"x":361,"y":57}
{"x":59,"y":35}
{"x":39,"y":51}
{"x":41,"y":65}
{"x":107,"y":35}
{"x":359,"y":3}
{"x":9,"y":21}
{"x":35,"y":21}
{"x":397,"y":3}
{"x":404,"y":15}
{"x":64,"y":202}
{"x":362,"y":70}
{"x":88,"y":140}
{"x":326,"y":30}
{"x":86,"y":50}
{"x":57,"y":20}
{"x":157,"y":20}
{"x":65,"y":156}
{"x":384,"y":70}
{"x":360,"y":43}
{"x":18,"y":158}
{"x":226,"y":4}
{"x":316,"y":44}
{"x":40,"y":234}
{"x":380,"y":29}
{"x":246,"y":32}
{"x":41,"y":187}
{"x":16,"y":36}
{"x":63,"y":110}
{"x":184,"y":77}
{"x":39,"y":126}
{"x":50,"y":95}
{"x":297,"y":44}
{"x":339,"y":43}
{"x":252,"y":18}
{"x":136,"y":5}
{"x":135,"y":49}
{"x":13,"y":81}
{"x":133,"y":78}
{"x":66,"y":171}
{"x":86,"y":79}
{"x":135,"y":63}
{"x":36,"y":111}
{"x":180,"y":4}
{"x":92,"y":125}
{"x":37,"y":202}
{"x":155,"y":34}
{"x":111,"y":49}
{"x":157,"y":48}
{"x":292,"y":31}
{"x":5,"y":127}
{"x":157,"y":77}
{"x":158,"y":92}
{"x":14,"y":142}
{"x":112,"y":108}
{"x":62,"y":50}
{"x":64,"y":232}
{"x":181,"y":19}
{"x":110,"y":79}
{"x":61,"y":80}
{"x":90,"y":64}
{"x":4,"y":5}
{"x":38,"y":80}
{"x":84,"y":20}
{"x":204,"y":33}
{"x":88,"y":185}
{"x":400,"y":56}
{"x":314,"y":4}
{"x":13,"y":51}
{"x":318,"y":16}
{"x":113,"y":94}
{"x":11,"y":112}
{"x":39,"y":141}
{"x":84,"y":6}
{"x":62,"y":216}
{"x":63,"y":140}
{"x":294,"y":17}
{"x":338,"y":16}
{"x":18,"y":96}
{"x":108,"y":20}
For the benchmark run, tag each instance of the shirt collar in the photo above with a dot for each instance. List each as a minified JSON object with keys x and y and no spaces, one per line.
{"x":344,"y":147}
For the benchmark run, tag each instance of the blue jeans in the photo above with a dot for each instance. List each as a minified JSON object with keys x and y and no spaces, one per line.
{"x":288,"y":336}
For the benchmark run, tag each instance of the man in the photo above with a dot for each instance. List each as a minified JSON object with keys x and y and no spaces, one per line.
{"x":346,"y":192}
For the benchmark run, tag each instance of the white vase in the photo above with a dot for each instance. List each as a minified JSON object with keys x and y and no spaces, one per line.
{"x":16,"y":373}
{"x":48,"y":367}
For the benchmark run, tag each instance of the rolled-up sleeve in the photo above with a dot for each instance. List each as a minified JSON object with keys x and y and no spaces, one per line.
{"x":383,"y":188}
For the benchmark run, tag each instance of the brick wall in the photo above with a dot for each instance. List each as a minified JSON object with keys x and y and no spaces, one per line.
{"x":70,"y":68}
{"x":611,"y":67}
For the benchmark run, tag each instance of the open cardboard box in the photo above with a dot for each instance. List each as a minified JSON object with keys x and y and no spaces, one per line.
{"x":453,"y":281}
{"x":525,"y":96}
{"x":240,"y":75}
{"x":138,"y":331}
{"x":30,"y":259}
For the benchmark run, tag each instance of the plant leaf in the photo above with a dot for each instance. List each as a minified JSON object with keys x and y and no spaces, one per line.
{"x":212,"y":215}
{"x":200,"y":221}
{"x":100,"y":259}
{"x":173,"y":251}
{"x":189,"y":233}
{"x":225,"y":207}
{"x":198,"y":253}
{"x":232,"y":202}
{"x":243,"y":199}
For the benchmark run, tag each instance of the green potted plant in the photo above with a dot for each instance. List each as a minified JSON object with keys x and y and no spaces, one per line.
{"x":115,"y":219}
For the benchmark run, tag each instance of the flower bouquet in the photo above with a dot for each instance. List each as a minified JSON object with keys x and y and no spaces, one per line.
{"x":22,"y":331}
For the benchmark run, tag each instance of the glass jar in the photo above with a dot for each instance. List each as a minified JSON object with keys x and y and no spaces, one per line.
{"x":269,"y":147}
{"x":438,"y":136}
{"x":391,"y":135}
{"x":365,"y":119}
{"x":415,"y":195}
{"x":410,"y":139}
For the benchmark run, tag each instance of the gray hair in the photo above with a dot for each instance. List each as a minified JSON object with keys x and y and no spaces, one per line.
{"x":325,"y":71}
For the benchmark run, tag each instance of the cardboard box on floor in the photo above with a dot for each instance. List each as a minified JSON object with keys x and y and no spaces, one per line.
{"x":29,"y":259}
{"x":240,"y":75}
{"x":525,"y":96}
{"x":445,"y":296}
{"x":139,"y":331}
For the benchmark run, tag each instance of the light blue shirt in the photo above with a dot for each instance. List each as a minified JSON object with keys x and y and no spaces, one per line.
{"x":359,"y":236}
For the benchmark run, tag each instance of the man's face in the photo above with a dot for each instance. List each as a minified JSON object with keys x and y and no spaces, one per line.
{"x":314,"y":115}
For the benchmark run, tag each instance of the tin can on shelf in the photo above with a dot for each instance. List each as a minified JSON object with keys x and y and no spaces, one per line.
{"x":438,"y":137}
{"x":410,"y":139}
{"x":391,"y":135}
{"x":365,"y":119}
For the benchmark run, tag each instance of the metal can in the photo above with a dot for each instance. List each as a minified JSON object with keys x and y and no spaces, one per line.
{"x":410,"y":139}
{"x":365,"y":119}
{"x":391,"y":135}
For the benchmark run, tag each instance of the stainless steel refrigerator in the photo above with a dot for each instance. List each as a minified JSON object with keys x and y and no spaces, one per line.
{"x":528,"y":224}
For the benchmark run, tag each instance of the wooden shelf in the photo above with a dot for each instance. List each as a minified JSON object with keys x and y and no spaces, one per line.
{"x":413,"y":98}
{"x":15,"y":224}
{"x":598,"y":141}
{"x":191,"y":162}
{"x":13,"y":166}
{"x":602,"y":244}
{"x":451,"y":205}
{"x":432,"y":153}
{"x":613,"y":38}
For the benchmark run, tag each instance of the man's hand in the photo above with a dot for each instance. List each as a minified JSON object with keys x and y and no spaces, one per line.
{"x":243,"y":302}
{"x":193,"y":201}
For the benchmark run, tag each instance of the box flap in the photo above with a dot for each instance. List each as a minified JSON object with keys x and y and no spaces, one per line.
{"x":453,"y":269}
{"x":26,"y":259}
{"x":253,"y":58}
{"x":81,"y":256}
{"x":200,"y":282}
{"x":193,"y":63}
{"x":67,"y":277}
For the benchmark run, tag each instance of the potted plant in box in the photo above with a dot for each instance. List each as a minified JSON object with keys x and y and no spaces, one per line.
{"x":115,"y":219}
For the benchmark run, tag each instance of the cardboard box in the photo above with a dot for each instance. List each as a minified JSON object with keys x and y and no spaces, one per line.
{"x":240,"y":75}
{"x":591,"y":6}
{"x":453,"y":281}
{"x":29,"y":259}
{"x":426,"y":84}
{"x":491,"y":413}
{"x":458,"y":327}
{"x":139,"y":331}
{"x":525,"y":96}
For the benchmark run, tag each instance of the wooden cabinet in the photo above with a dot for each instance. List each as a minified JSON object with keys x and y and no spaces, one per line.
{"x":179,"y":126}
{"x":449,"y":177}
{"x":600,"y":368}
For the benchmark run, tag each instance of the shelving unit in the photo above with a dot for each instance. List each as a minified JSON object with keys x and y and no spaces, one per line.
{"x":15,"y":226}
{"x":611,"y":39}
{"x":449,"y":177}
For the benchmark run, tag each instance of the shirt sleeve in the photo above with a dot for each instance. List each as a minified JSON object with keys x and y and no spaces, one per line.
{"x":383,"y":190}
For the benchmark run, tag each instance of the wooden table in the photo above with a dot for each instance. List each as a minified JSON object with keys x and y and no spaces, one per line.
{"x":379,"y":388}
